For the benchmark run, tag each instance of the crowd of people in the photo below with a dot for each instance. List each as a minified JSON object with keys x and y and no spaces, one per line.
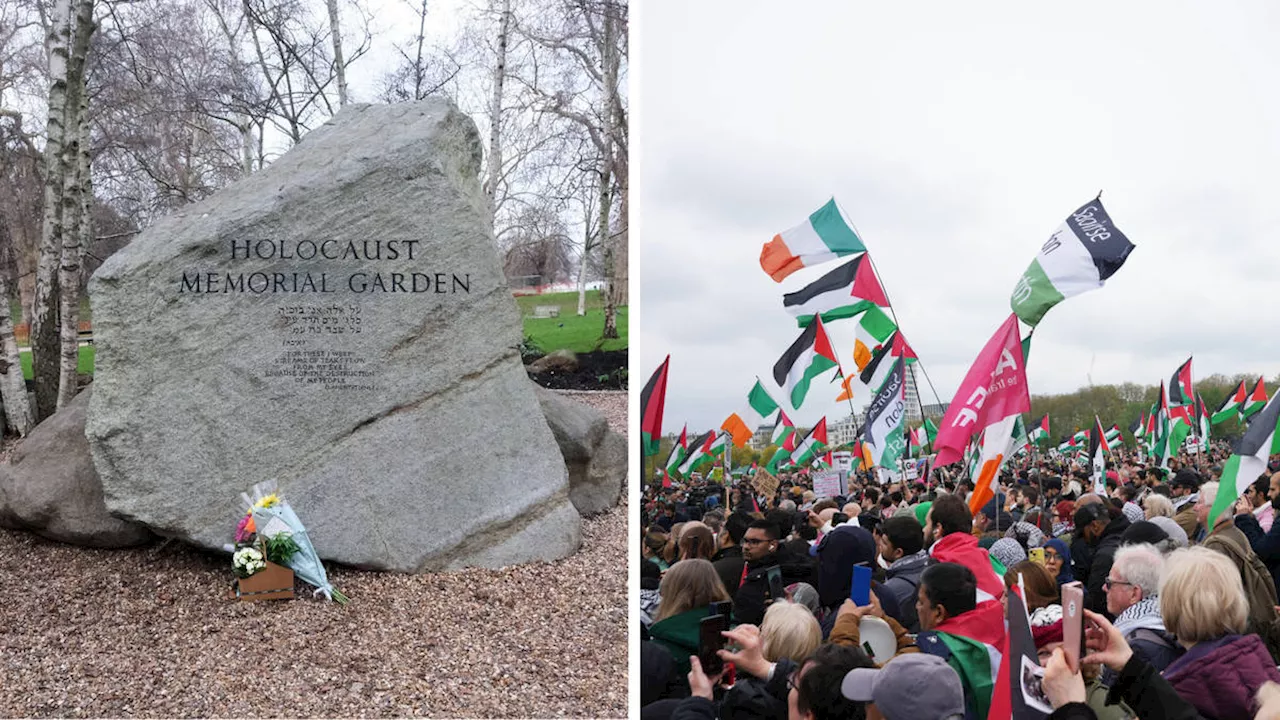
{"x":1181,"y":619}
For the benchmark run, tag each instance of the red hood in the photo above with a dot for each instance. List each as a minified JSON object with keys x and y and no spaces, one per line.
{"x":962,"y":548}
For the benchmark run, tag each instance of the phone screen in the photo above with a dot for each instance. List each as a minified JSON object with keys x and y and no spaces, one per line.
{"x":1073,"y":623}
{"x":709,"y":641}
{"x":776,"y":590}
{"x":860,"y":588}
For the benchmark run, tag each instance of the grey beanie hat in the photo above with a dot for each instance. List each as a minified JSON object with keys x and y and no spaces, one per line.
{"x":1008,"y":552}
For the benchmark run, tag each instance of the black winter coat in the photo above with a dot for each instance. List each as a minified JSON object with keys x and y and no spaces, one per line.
{"x":753,"y":596}
{"x":1265,"y":545}
{"x":1104,"y":554}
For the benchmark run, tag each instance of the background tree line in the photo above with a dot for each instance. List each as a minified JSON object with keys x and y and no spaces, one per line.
{"x":114,"y":113}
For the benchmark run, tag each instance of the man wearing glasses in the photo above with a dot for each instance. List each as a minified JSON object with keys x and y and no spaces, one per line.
{"x":1131,"y":587}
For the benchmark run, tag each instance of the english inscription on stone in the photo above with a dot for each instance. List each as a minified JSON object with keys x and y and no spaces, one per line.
{"x":338,"y":322}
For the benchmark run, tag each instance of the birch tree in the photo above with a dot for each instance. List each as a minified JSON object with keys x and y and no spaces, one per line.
{"x":77,"y":194}
{"x":45,"y":328}
{"x":13,"y":386}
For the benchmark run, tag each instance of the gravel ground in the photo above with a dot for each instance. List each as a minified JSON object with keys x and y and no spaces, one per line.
{"x":152,"y":632}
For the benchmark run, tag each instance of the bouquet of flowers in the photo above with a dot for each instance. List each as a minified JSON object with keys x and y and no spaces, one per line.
{"x":282,"y":537}
{"x":247,"y":561}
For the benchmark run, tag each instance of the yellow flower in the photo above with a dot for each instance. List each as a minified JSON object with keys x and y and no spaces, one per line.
{"x":269,"y":501}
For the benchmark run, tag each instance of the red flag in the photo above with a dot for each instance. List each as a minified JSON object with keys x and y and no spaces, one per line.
{"x":994,"y":388}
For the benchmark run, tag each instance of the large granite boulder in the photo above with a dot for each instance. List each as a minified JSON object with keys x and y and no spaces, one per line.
{"x":49,"y":486}
{"x":338,"y":322}
{"x":595,"y":456}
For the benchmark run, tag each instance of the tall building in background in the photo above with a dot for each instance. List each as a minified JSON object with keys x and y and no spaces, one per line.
{"x":913,"y":396}
{"x":842,"y":432}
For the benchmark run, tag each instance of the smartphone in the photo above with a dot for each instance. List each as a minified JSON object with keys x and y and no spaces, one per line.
{"x":1036,"y":555}
{"x":1073,"y":623}
{"x":860,"y":588}
{"x":776,"y":589}
{"x":720,"y":608}
{"x":709,"y":641}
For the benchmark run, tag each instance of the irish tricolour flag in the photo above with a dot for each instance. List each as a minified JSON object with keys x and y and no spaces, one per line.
{"x":1249,"y":460}
{"x":808,"y":357}
{"x":825,"y":236}
{"x":842,"y":293}
{"x":744,"y":423}
{"x":1080,"y":255}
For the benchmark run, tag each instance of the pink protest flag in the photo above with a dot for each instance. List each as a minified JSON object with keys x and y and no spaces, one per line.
{"x":994,"y":388}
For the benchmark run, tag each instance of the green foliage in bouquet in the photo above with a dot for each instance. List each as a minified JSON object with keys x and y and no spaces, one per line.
{"x":281,"y":548}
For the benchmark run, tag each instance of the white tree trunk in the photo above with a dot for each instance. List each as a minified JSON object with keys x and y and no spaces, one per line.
{"x":494,"y":168}
{"x":339,"y":66}
{"x":44,"y":318}
{"x":77,"y":224}
{"x":13,"y":387}
{"x":609,"y":59}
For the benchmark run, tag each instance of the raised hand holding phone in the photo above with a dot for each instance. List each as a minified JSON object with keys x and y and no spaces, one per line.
{"x":860,"y":588}
{"x":1073,"y":623}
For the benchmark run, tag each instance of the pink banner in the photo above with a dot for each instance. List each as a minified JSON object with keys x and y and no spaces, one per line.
{"x":994,"y":388}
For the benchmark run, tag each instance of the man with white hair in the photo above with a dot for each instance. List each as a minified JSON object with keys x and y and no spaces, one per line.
{"x":1132,"y":588}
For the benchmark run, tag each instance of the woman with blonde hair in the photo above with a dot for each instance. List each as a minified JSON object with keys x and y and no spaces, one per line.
{"x":687,"y":589}
{"x":1202,"y":602}
{"x":789,"y":630}
{"x":1157,"y":506}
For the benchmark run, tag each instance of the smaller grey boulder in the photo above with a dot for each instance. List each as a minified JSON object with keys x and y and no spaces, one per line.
{"x":562,"y":360}
{"x":595,"y":456}
{"x":50,"y":487}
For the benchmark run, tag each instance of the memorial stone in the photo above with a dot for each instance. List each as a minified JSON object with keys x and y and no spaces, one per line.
{"x":338,"y":322}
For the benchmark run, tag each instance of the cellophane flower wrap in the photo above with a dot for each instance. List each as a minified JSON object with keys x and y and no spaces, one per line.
{"x":264,"y":502}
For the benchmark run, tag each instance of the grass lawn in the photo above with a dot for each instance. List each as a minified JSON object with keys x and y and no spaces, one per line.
{"x":85,"y":367}
{"x":579,"y":334}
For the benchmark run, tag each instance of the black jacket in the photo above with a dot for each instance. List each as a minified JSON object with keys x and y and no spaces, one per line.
{"x":728,"y":563}
{"x":1265,"y":545}
{"x":1104,"y":554}
{"x":753,"y":596}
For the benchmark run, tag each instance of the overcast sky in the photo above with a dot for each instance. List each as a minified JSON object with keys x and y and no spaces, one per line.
{"x":957,"y":137}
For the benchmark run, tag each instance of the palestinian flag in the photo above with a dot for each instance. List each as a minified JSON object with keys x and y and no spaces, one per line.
{"x":1040,"y":431}
{"x":813,"y":444}
{"x":1202,"y":420}
{"x":808,"y":357}
{"x":678,"y":452}
{"x":825,"y":236}
{"x":1080,"y":255}
{"x":652,"y":398}
{"x":1180,"y":392}
{"x":842,"y":293}
{"x":782,"y":456}
{"x":881,"y":365}
{"x":1231,"y":406}
{"x":874,"y":328}
{"x":1114,"y":438}
{"x":699,"y":452}
{"x":1249,"y":460}
{"x":1257,"y":399}
{"x":744,"y":423}
{"x":917,"y":439}
{"x":886,"y":418}
{"x":1020,"y":440}
{"x":782,"y":429}
{"x":975,"y":640}
{"x":1098,"y":464}
{"x":1135,"y":429}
